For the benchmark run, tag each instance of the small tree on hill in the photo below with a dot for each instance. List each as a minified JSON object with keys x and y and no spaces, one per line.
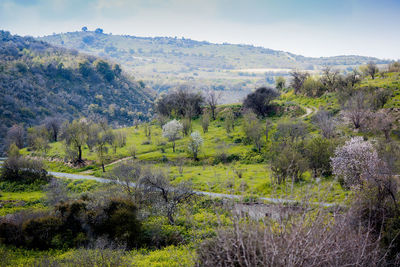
{"x":172,"y":131}
{"x":75,"y":135}
{"x":195,"y":143}
{"x":212,"y":100}
{"x":205,"y":121}
{"x":259,"y":101}
{"x":357,"y":158}
{"x":280,"y":83}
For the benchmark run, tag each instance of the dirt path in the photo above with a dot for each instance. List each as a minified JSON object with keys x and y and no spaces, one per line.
{"x":309,"y":111}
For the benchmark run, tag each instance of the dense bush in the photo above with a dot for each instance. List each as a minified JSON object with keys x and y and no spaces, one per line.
{"x":23,"y":170}
{"x":259,"y":101}
{"x":74,"y":224}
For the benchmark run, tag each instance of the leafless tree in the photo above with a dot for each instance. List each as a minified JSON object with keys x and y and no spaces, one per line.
{"x":53,"y":126}
{"x":16,"y":135}
{"x":326,"y":123}
{"x":128,"y":175}
{"x":381,"y":122}
{"x":156,"y":183}
{"x":212,"y":99}
{"x":357,"y":109}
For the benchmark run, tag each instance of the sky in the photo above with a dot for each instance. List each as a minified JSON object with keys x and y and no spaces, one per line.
{"x":306,"y":27}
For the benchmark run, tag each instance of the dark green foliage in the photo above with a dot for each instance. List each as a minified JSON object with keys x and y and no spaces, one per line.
{"x":181,"y":103}
{"x":259,"y":101}
{"x":118,"y":221}
{"x":39,"y":233}
{"x":38,"y":80}
{"x":74,"y":224}
{"x":319,"y":151}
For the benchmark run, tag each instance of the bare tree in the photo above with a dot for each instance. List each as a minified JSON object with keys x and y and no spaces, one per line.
{"x":357,"y":109}
{"x":156,"y":183}
{"x":380,"y":122}
{"x":53,"y":125}
{"x":326,"y":123}
{"x":212,"y":99}
{"x":128,"y":175}
{"x":16,"y":135}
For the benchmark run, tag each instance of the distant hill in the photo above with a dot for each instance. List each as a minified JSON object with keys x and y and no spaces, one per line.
{"x":164,"y":61}
{"x":38,"y":80}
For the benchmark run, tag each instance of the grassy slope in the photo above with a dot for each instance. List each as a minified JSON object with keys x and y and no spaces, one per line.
{"x":207,"y":174}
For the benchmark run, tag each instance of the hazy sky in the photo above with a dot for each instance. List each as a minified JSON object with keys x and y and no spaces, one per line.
{"x":306,"y":27}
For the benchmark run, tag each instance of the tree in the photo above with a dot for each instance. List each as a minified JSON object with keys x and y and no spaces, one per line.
{"x":84,"y":28}
{"x":180,"y":103}
{"x":280,"y":83}
{"x":354,"y":160}
{"x":16,"y":135}
{"x":229,"y":120}
{"x":313,"y":87}
{"x":380,"y":122}
{"x":53,"y":125}
{"x":156,"y":183}
{"x":186,"y":126}
{"x":324,"y":120}
{"x":104,"y":138}
{"x":205,"y":121}
{"x":290,"y":131}
{"x":172,"y":131}
{"x":253,"y":129}
{"x":357,"y":109}
{"x":75,"y":135}
{"x":288,"y":163}
{"x":319,"y":152}
{"x":298,"y":79}
{"x":212,"y":99}
{"x":128,"y":175}
{"x":371,"y":69}
{"x":259,"y":101}
{"x":330,"y":78}
{"x":195,"y":143}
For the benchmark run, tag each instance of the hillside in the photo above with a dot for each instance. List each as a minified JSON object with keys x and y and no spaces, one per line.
{"x":38,"y":80}
{"x":166,"y":61}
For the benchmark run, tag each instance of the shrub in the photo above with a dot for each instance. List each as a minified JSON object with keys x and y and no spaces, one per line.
{"x":23,"y":170}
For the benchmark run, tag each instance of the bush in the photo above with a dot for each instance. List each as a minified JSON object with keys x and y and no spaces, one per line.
{"x":259,"y":101}
{"x":23,"y":170}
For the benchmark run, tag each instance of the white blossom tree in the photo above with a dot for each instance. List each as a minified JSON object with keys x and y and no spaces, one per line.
{"x":172,"y":131}
{"x":355,"y":160}
{"x":195,"y":143}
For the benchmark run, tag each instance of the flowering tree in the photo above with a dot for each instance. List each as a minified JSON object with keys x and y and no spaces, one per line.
{"x":172,"y":131}
{"x":195,"y":142}
{"x":355,"y":160}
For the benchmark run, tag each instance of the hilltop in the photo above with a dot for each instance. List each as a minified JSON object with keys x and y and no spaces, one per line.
{"x":165,"y":61}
